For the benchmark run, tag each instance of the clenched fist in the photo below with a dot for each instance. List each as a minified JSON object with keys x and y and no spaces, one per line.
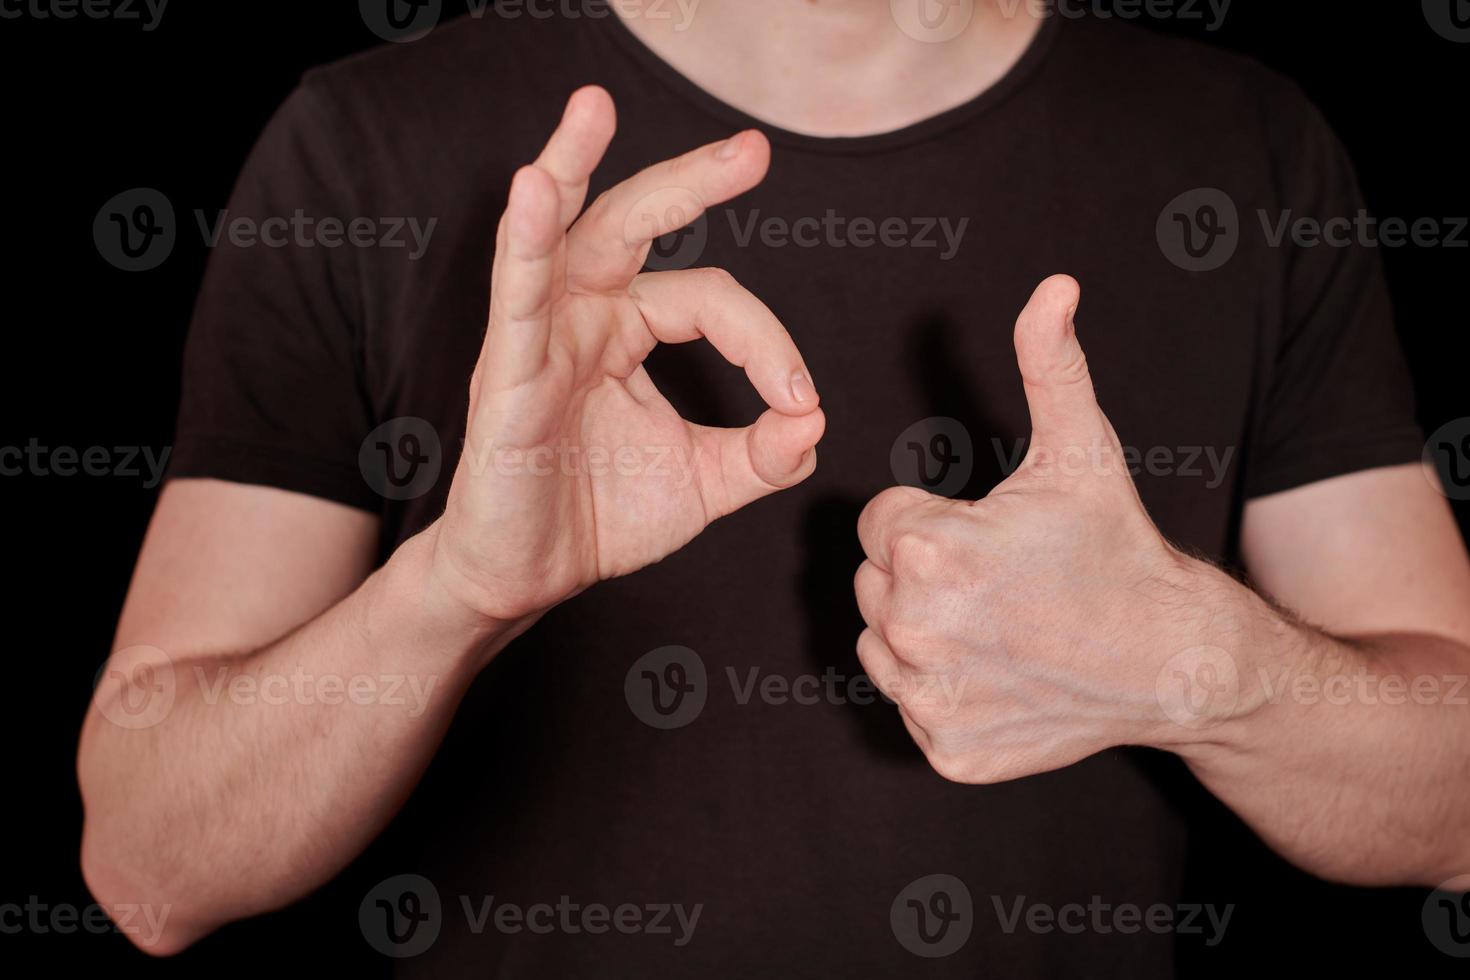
{"x":575,"y":468}
{"x":1026,"y":631}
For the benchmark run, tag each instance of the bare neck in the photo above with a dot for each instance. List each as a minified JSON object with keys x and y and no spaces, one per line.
{"x":837,"y":67}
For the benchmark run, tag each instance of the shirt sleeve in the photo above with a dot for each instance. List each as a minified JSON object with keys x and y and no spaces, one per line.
{"x":1336,"y":395}
{"x":273,"y":390}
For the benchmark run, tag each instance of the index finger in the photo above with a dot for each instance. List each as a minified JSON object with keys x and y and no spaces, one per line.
{"x":888,"y":517}
{"x":607,"y":246}
{"x":683,"y":305}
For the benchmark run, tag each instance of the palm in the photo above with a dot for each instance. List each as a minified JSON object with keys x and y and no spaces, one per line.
{"x":629,"y":476}
{"x":575,"y":468}
{"x":652,"y":501}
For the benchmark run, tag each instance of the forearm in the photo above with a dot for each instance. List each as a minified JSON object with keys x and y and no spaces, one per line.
{"x":221,"y":808}
{"x":1349,"y":756}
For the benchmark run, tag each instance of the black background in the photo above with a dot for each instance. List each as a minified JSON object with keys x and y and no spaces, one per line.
{"x":91,"y":358}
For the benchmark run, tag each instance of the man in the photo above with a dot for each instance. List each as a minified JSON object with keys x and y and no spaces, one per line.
{"x":660,"y":754}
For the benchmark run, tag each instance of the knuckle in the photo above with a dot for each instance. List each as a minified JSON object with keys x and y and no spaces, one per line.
{"x":865,"y":583}
{"x":599,"y":206}
{"x":886,"y":681}
{"x":1075,"y":371}
{"x":915,"y":555}
{"x":908,"y":642}
{"x":676,"y":168}
{"x":716,"y":279}
{"x":893,"y":497}
{"x":873,"y":513}
{"x":921,"y":710}
{"x":867,"y":650}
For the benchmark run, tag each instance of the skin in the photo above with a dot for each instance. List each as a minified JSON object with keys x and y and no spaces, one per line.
{"x":213,"y":811}
{"x":839,"y":67}
{"x":1051,"y":620}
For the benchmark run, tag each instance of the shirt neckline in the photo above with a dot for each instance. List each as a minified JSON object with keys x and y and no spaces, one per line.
{"x":926,"y":128}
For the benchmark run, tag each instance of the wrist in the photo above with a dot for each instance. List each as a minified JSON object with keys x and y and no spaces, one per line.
{"x":410,"y":600}
{"x":1220,"y":688}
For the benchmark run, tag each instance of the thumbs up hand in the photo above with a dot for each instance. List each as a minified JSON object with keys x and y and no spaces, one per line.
{"x":1026,"y":631}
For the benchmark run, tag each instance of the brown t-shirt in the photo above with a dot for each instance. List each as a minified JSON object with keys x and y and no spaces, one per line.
{"x":769,"y":792}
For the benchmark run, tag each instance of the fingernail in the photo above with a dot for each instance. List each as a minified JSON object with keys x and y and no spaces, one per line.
{"x":801,"y":387}
{"x":729,"y":148}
